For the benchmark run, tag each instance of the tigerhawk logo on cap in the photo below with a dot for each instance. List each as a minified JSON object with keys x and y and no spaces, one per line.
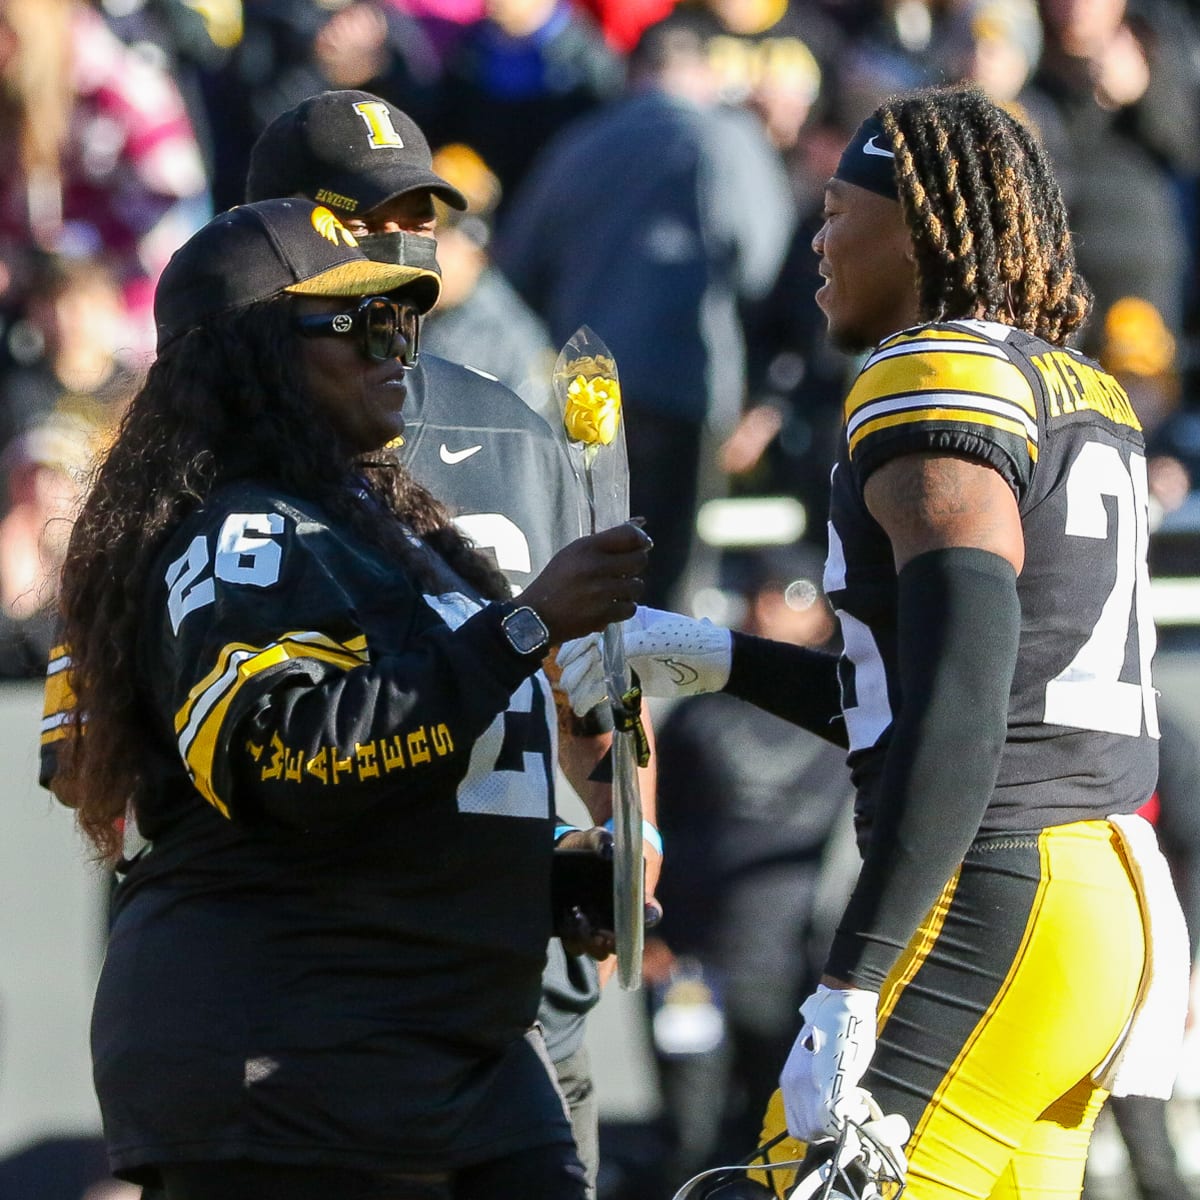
{"x":330,"y":228}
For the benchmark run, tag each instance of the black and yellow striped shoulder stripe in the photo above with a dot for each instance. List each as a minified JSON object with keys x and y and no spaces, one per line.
{"x":941,"y":376}
{"x":198,"y":723}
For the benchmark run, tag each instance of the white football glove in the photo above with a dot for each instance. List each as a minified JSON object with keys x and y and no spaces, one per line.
{"x":820,"y":1079}
{"x":673,"y":656}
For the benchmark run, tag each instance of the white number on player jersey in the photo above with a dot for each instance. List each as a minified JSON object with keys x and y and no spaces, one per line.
{"x":503,"y":536}
{"x":1088,"y":693}
{"x":507,"y":791}
{"x":247,"y":553}
{"x":871,"y":712}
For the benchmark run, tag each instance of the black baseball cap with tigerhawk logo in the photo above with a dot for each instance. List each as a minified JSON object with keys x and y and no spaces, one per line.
{"x":348,"y":150}
{"x":257,"y":251}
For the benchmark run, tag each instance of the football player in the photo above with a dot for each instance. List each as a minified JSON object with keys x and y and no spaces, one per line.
{"x":1013,"y":950}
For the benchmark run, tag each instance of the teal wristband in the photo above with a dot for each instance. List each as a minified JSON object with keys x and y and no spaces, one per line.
{"x":561,"y":831}
{"x":649,"y":834}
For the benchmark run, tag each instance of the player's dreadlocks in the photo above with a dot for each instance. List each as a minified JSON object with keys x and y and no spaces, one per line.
{"x":985,"y":213}
{"x":224,"y":402}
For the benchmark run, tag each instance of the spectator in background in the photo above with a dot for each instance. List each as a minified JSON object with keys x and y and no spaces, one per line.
{"x":518,"y":76}
{"x":1140,"y":351}
{"x":652,"y":221}
{"x":624,"y":21}
{"x":1123,"y":88}
{"x":102,"y":156}
{"x":70,"y":340}
{"x":758,"y":817}
{"x":292,"y":49}
{"x":188,"y":39}
{"x":768,"y":56}
{"x":480,"y":320}
{"x":44,"y":469}
{"x":994,"y":43}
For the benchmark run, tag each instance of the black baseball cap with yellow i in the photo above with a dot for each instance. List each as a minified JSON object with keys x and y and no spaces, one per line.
{"x":349,"y":150}
{"x":256,"y":251}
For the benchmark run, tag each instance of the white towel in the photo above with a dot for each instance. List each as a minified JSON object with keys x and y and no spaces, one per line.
{"x":1146,"y":1057}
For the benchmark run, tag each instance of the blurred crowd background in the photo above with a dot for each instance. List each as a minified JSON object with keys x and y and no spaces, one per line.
{"x":653,"y":169}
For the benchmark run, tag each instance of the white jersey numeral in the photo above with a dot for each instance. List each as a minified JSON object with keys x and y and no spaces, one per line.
{"x":867,"y":710}
{"x":499,"y":782}
{"x":503,"y":536}
{"x":247,"y":554}
{"x":1089,"y":693}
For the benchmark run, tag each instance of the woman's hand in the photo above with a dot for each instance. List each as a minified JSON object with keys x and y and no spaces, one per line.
{"x":591,"y":583}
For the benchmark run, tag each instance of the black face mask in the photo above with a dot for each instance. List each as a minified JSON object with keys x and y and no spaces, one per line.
{"x":401,"y":249}
{"x":407,"y":250}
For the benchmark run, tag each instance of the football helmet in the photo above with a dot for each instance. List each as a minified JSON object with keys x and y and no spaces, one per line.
{"x":864,"y":1162}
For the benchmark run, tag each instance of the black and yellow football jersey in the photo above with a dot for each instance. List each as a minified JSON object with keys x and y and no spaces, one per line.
{"x":348,"y":792}
{"x":1082,"y":722}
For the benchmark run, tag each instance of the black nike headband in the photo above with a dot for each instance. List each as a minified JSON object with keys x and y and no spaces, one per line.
{"x":868,"y":161}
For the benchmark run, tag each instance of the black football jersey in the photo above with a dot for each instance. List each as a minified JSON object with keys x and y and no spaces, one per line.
{"x":355,"y":977}
{"x":501,"y":469}
{"x":1082,"y":722}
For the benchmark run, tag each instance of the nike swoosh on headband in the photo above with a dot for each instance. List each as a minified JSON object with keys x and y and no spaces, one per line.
{"x":869,"y":147}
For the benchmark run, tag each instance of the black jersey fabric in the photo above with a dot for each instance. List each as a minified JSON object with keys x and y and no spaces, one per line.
{"x":332,"y":951}
{"x":480,"y":449}
{"x":1082,"y":718}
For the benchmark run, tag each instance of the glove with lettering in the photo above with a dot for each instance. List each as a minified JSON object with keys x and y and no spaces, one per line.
{"x":673,"y":656}
{"x":820,"y":1079}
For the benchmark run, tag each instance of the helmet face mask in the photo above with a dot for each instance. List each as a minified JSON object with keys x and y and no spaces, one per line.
{"x":864,"y":1162}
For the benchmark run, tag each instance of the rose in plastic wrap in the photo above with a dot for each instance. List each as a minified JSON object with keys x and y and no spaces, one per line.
{"x":593,"y":410}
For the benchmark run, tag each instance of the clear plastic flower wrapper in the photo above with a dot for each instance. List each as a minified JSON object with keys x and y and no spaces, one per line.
{"x":588,"y":392}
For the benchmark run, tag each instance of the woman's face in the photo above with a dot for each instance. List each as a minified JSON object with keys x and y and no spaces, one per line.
{"x":363,"y":399}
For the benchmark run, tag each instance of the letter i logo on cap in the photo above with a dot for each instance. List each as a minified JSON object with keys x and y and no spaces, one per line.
{"x":380,"y":130}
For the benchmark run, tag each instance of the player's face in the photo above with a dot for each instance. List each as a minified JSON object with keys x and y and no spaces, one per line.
{"x":866,"y":260}
{"x":412,"y":212}
{"x":362,"y":398}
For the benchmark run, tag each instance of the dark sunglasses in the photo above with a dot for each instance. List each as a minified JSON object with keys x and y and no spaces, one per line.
{"x":386,"y":329}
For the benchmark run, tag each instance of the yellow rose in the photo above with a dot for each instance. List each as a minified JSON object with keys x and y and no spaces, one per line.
{"x":593,"y":411}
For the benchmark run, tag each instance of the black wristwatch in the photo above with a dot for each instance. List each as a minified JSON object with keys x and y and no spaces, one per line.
{"x":525,"y":631}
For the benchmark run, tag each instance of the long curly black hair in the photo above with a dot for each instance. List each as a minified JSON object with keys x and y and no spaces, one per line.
{"x":226,"y":401}
{"x":985,"y":213}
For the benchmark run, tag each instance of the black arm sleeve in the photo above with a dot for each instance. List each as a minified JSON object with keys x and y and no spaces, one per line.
{"x":793,"y":682}
{"x":958,"y":625}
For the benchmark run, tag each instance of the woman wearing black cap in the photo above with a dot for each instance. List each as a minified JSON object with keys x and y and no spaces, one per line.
{"x":328,"y":721}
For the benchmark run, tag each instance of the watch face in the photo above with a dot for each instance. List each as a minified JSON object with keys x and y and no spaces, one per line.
{"x":525,"y":631}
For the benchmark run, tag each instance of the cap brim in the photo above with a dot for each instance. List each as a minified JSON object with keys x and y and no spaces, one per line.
{"x":370,"y":278}
{"x":427,"y":181}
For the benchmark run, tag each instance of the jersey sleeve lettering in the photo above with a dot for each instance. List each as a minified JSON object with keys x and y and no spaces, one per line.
{"x":943,"y":389}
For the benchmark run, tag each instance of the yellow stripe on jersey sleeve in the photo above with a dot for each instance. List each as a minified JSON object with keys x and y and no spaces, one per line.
{"x":199,"y":722}
{"x":974,"y":416}
{"x":888,"y":376}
